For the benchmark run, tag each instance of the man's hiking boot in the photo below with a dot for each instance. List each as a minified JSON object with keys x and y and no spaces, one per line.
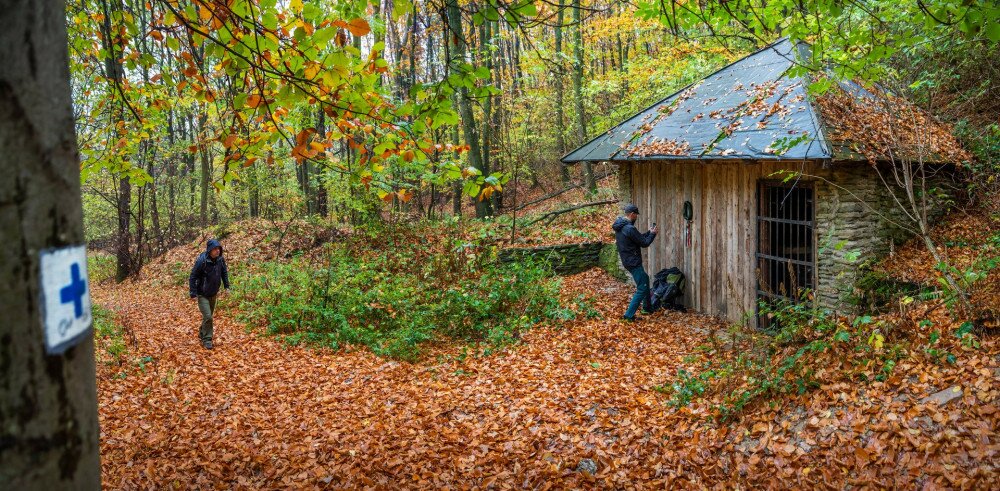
{"x":207,"y":345}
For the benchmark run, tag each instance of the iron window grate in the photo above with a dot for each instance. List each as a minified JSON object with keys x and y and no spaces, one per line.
{"x":786,"y":252}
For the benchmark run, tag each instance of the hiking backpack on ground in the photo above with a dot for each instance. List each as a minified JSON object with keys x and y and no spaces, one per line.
{"x":668,"y":284}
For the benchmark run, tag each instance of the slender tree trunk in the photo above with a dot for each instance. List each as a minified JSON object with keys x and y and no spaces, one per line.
{"x":517,"y":65}
{"x":456,"y":202}
{"x":581,"y":119}
{"x":123,"y":242}
{"x":431,"y":56}
{"x":48,"y":403}
{"x":115,"y":73}
{"x":431,"y":76}
{"x":154,"y":212}
{"x":253,"y":193}
{"x":149,"y":155}
{"x":560,"y":95}
{"x":192,"y":183}
{"x":413,"y":50}
{"x":913,"y":172}
{"x":458,"y":49}
{"x":321,"y":198}
{"x":379,"y":34}
{"x":489,"y":109}
{"x":621,"y":52}
{"x":140,"y":230}
{"x":303,"y":172}
{"x":206,"y":167}
{"x":171,"y":177}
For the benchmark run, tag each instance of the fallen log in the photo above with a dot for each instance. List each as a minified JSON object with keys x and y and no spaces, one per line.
{"x":558,"y":193}
{"x":550,"y":216}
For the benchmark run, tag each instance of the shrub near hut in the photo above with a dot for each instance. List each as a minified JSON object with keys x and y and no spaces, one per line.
{"x":430,"y":295}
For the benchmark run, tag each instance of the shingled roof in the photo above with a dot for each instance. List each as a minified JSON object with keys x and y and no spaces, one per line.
{"x":754,"y":109}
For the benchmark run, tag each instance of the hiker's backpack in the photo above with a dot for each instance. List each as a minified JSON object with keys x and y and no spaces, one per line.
{"x":668,"y":284}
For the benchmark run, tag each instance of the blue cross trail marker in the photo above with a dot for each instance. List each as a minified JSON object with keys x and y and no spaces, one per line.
{"x":74,"y":291}
{"x":65,"y":297}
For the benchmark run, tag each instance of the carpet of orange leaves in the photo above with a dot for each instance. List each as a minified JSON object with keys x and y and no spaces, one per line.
{"x":962,"y":239}
{"x":253,"y":413}
{"x":590,"y":224}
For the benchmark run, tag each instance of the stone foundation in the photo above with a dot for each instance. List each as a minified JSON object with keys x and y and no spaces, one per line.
{"x":856,"y":215}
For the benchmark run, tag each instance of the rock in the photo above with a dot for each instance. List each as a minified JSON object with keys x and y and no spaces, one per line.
{"x":609,"y":262}
{"x":587,"y":466}
{"x":943,"y":397}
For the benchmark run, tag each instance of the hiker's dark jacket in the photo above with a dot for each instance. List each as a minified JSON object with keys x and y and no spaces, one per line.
{"x":207,"y":274}
{"x":629,"y":242}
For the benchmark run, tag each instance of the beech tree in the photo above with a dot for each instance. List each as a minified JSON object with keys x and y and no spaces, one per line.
{"x":48,"y":403}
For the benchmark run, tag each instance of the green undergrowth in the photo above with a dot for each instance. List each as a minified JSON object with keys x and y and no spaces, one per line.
{"x":100,"y":266}
{"x":809,"y":347}
{"x":109,"y":337}
{"x":396,"y":292}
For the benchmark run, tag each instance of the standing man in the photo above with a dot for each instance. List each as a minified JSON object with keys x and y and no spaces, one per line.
{"x":630,"y":243}
{"x":208,"y":273}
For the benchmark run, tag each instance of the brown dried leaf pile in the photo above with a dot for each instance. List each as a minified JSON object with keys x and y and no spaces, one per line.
{"x":889,"y":129}
{"x":254,"y":414}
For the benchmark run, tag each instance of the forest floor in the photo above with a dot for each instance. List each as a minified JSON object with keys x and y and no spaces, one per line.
{"x":570,"y":406}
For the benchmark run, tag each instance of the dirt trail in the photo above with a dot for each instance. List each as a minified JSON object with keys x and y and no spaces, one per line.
{"x":255,"y":413}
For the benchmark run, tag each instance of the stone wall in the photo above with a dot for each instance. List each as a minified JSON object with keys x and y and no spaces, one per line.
{"x":564,"y":259}
{"x":574,"y":258}
{"x":612,"y":264}
{"x":856,"y":214}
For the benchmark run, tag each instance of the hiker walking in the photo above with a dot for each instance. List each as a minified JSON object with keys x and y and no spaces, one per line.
{"x":630,"y":243}
{"x":208,"y":274}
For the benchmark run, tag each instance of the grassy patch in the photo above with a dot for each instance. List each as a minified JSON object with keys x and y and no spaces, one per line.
{"x":396,"y":298}
{"x":179,"y":272}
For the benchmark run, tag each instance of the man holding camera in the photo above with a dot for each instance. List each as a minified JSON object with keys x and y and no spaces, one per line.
{"x":630,"y":243}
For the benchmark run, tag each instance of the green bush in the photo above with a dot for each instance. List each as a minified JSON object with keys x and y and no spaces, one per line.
{"x":877,"y":292}
{"x":394,"y":301}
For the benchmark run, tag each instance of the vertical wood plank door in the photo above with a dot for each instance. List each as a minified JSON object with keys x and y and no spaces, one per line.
{"x":721,"y":262}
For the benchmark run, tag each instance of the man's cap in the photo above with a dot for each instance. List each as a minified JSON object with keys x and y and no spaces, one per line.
{"x":630,"y":208}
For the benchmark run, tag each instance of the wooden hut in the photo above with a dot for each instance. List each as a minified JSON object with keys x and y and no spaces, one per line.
{"x":763,"y":191}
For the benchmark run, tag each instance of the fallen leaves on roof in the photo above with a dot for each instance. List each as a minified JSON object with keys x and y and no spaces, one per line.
{"x":651,"y":146}
{"x":759,"y":91}
{"x":887,"y":128}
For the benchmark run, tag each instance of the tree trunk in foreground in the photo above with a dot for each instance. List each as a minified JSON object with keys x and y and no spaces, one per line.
{"x":48,"y":404}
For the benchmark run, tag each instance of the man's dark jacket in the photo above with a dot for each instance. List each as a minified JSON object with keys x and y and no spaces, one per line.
{"x":208,"y":273}
{"x":630,"y":241}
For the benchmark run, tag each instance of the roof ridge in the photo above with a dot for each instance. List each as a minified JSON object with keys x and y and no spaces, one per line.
{"x":665,"y":99}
